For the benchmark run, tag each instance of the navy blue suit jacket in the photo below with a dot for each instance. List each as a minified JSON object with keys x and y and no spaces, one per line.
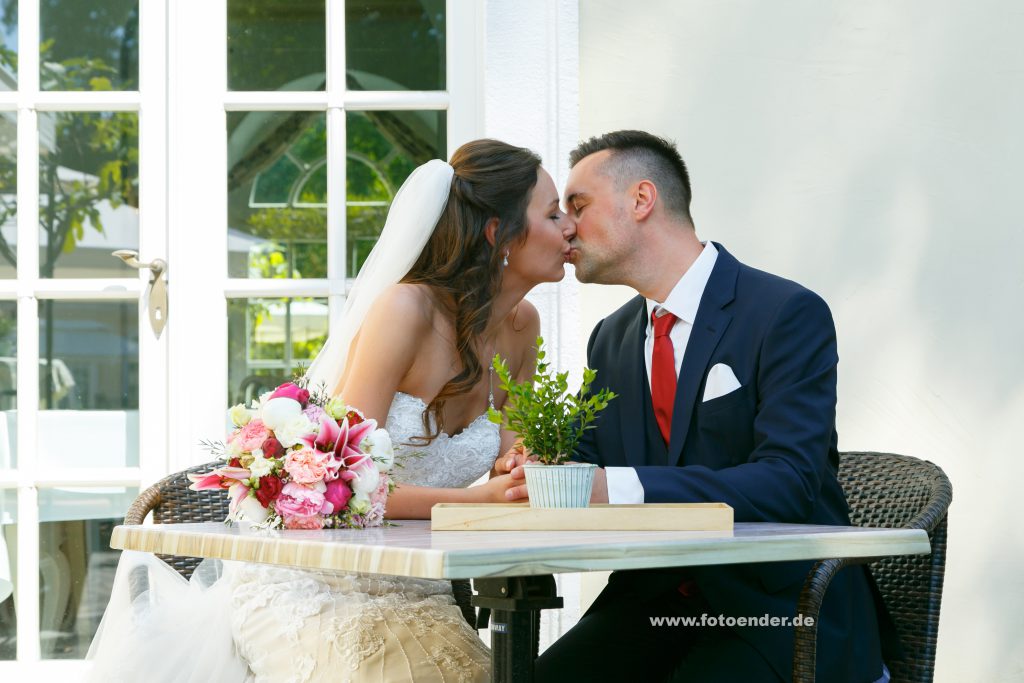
{"x":767,"y":449}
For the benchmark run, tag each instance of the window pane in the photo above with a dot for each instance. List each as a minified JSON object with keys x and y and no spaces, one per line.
{"x":8,"y":193}
{"x":89,"y":383}
{"x":8,"y":387}
{"x":8,"y":52}
{"x":395,"y":44}
{"x":8,"y":555}
{"x":76,"y":564}
{"x":277,"y":194}
{"x":88,"y":193}
{"x":276,"y":44}
{"x":383,"y":149}
{"x":89,"y":45}
{"x":269,"y":340}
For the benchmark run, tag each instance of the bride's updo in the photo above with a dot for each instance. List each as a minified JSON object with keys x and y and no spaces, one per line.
{"x":492,"y":180}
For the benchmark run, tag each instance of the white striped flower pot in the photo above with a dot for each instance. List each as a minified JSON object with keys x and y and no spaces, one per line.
{"x":560,"y":486}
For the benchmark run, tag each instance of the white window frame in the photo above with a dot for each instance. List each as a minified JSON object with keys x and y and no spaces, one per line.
{"x":174,"y":415}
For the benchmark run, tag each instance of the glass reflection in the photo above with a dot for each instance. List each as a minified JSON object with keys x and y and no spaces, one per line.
{"x":89,"y":382}
{"x":276,"y":44}
{"x":8,"y":386}
{"x":76,"y":564}
{"x":383,"y":149}
{"x":8,"y":194}
{"x":277,"y":194}
{"x":89,"y":45}
{"x":395,"y":44}
{"x":270,"y":340}
{"x":8,"y":48}
{"x":88,"y":192}
{"x":8,"y":554}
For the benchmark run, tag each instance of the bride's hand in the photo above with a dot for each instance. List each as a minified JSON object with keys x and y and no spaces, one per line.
{"x":494,"y":490}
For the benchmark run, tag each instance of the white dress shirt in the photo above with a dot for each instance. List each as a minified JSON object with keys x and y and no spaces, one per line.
{"x":682,"y":302}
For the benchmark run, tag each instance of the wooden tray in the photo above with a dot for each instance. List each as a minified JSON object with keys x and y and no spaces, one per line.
{"x":521,"y":517}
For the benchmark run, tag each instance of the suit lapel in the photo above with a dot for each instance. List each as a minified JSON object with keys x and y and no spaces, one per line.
{"x":633,"y":388}
{"x":708,"y":327}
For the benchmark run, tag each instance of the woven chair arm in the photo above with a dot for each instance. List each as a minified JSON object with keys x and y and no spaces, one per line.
{"x":809,"y":606}
{"x":462,"y":590}
{"x":939,"y":501}
{"x":143,"y":504}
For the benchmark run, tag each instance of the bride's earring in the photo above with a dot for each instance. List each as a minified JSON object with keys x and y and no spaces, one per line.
{"x":504,"y":261}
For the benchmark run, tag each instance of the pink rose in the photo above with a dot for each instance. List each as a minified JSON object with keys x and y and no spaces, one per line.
{"x":306,"y":465}
{"x":337,"y":496}
{"x":297,"y":500}
{"x":311,"y":522}
{"x":292,"y":391}
{"x":250,"y":437}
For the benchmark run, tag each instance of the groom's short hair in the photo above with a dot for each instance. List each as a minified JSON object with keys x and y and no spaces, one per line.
{"x":637,"y":155}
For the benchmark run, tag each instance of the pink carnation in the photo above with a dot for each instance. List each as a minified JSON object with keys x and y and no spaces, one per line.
{"x":297,"y":500}
{"x":310,"y":522}
{"x":306,"y":465}
{"x":251,"y":436}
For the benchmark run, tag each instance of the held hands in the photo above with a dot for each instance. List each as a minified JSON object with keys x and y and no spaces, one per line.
{"x":517,"y":491}
{"x":500,"y":489}
{"x":514,"y":458}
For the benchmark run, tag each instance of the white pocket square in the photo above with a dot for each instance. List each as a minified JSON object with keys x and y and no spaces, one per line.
{"x":721,"y":381}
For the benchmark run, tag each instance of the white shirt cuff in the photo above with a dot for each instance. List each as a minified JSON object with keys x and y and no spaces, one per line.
{"x":623,"y":485}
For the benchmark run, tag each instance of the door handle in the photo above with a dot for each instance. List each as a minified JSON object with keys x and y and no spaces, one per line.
{"x":157,"y":290}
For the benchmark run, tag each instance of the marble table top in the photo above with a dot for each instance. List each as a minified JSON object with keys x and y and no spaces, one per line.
{"x":412,"y":549}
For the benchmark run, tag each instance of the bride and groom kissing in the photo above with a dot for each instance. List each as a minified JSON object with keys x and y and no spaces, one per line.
{"x":726,"y":378}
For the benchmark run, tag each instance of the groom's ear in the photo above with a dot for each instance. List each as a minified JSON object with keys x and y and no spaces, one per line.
{"x":645,"y":196}
{"x":490,"y":230}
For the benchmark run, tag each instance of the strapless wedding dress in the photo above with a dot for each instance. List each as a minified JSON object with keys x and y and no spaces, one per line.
{"x":254,"y":623}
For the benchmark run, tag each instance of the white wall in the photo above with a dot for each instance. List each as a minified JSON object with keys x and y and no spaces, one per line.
{"x":871,"y":151}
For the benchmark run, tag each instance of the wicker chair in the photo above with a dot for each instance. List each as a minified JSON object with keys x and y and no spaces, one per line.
{"x":896,"y":491}
{"x":172,"y":502}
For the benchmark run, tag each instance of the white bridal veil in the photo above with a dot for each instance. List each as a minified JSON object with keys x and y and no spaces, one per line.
{"x":411,"y":220}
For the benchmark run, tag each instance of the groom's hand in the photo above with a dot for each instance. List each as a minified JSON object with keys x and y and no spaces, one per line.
{"x":514,"y":458}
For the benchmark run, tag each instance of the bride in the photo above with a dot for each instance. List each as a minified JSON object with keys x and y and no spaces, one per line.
{"x":440,"y":294}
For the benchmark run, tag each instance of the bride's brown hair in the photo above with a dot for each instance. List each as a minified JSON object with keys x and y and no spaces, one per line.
{"x":492,"y":180}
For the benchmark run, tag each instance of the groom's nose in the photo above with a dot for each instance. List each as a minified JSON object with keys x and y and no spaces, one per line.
{"x":568,"y":226}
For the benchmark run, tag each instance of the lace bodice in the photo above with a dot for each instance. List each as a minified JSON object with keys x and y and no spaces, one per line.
{"x":447,"y":461}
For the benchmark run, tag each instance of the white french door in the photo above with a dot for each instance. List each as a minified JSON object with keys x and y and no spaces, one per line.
{"x":253,"y":147}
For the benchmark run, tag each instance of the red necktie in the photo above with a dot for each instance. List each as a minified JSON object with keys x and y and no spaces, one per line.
{"x":663,"y":372}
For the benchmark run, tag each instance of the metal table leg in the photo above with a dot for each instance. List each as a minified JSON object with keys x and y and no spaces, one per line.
{"x":516,"y":603}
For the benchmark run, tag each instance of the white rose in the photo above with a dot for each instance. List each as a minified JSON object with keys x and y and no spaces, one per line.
{"x":240,"y":415}
{"x":366,"y":481}
{"x":378,"y":446}
{"x":277,"y":411}
{"x":261,"y":466}
{"x":294,"y":429}
{"x":250,"y":509}
{"x":359,"y":504}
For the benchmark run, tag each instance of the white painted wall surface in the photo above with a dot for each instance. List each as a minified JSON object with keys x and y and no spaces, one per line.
{"x":871,"y":151}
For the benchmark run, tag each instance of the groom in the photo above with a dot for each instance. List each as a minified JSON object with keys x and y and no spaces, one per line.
{"x":726,"y":378}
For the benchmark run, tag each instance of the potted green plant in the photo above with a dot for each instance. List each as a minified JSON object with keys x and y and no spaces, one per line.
{"x":550,"y":421}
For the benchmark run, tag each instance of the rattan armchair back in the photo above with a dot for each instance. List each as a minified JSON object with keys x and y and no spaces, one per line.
{"x":894,"y":491}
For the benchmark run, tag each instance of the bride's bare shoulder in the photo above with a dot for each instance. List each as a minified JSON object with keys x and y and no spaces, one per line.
{"x":410,"y":306}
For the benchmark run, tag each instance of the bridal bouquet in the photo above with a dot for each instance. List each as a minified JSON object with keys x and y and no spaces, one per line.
{"x":299,"y":462}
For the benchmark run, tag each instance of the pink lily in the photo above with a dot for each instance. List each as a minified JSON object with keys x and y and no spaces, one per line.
{"x":328,"y":436}
{"x":220,"y":478}
{"x":352,"y":436}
